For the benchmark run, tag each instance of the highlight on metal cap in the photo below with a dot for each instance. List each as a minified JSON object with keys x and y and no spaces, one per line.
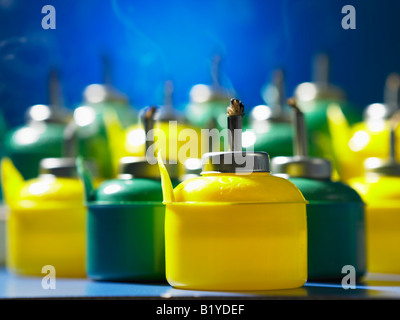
{"x":202,"y":93}
{"x":59,"y":167}
{"x":314,"y":168}
{"x":139,"y":167}
{"x":389,"y":166}
{"x":54,"y":111}
{"x":192,"y":168}
{"x":301,"y":165}
{"x":64,"y":167}
{"x":391,"y":103}
{"x":102,"y":93}
{"x":381,"y":167}
{"x":235,"y":162}
{"x":320,"y":87}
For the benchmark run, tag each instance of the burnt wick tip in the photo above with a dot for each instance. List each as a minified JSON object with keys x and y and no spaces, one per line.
{"x":149,"y":113}
{"x":293,"y":104}
{"x":236,"y":108}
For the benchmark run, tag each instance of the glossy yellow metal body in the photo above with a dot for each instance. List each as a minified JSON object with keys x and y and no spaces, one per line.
{"x":45,"y":225}
{"x":382,"y":218}
{"x":236,"y":232}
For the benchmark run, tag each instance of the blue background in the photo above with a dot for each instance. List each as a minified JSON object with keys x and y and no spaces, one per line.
{"x":150,"y":42}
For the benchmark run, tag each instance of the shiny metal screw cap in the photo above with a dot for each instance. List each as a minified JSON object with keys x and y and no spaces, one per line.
{"x":64,"y":167}
{"x":305,"y":167}
{"x":100,"y":93}
{"x":235,"y":162}
{"x":106,"y":92}
{"x":192,"y":168}
{"x":309,"y":91}
{"x":390,"y":166}
{"x":47,"y":114}
{"x":300,"y":165}
{"x":140,"y":167}
{"x":384,"y":111}
{"x":54,"y":111}
{"x":320,"y":88}
{"x":201,"y":93}
{"x":382,"y":167}
{"x":59,"y":167}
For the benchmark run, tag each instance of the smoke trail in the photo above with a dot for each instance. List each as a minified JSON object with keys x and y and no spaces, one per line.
{"x":130,"y":25}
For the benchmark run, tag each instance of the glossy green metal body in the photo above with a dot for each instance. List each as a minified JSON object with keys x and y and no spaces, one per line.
{"x":336,"y":228}
{"x":126,"y":242}
{"x":28,"y":144}
{"x":125,"y":231}
{"x":277,"y":140}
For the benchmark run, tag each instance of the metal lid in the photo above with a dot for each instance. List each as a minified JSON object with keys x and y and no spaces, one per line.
{"x":300,"y":165}
{"x":389,"y":166}
{"x":308,"y":91}
{"x":202,"y":93}
{"x":320,"y":88}
{"x":235,"y":162}
{"x":59,"y":167}
{"x":41,"y":113}
{"x":140,"y":167}
{"x":54,"y":111}
{"x":64,"y":167}
{"x":99,"y":93}
{"x":305,"y":167}
{"x":382,"y":167}
{"x":193,"y":166}
{"x":383,"y":111}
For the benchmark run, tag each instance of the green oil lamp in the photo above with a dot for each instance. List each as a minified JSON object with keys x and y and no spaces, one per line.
{"x":125,"y":219}
{"x":335,"y":211}
{"x":314,"y":98}
{"x":43,"y":134}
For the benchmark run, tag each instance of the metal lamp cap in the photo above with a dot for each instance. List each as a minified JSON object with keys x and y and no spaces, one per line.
{"x":305,"y":167}
{"x":201,"y":93}
{"x":100,"y":93}
{"x":320,"y":87}
{"x":383,"y":111}
{"x":59,"y":167}
{"x":235,"y":162}
{"x":48,"y":114}
{"x":378,"y":111}
{"x":382,"y":167}
{"x":64,"y":167}
{"x":308,"y":91}
{"x":139,"y":167}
